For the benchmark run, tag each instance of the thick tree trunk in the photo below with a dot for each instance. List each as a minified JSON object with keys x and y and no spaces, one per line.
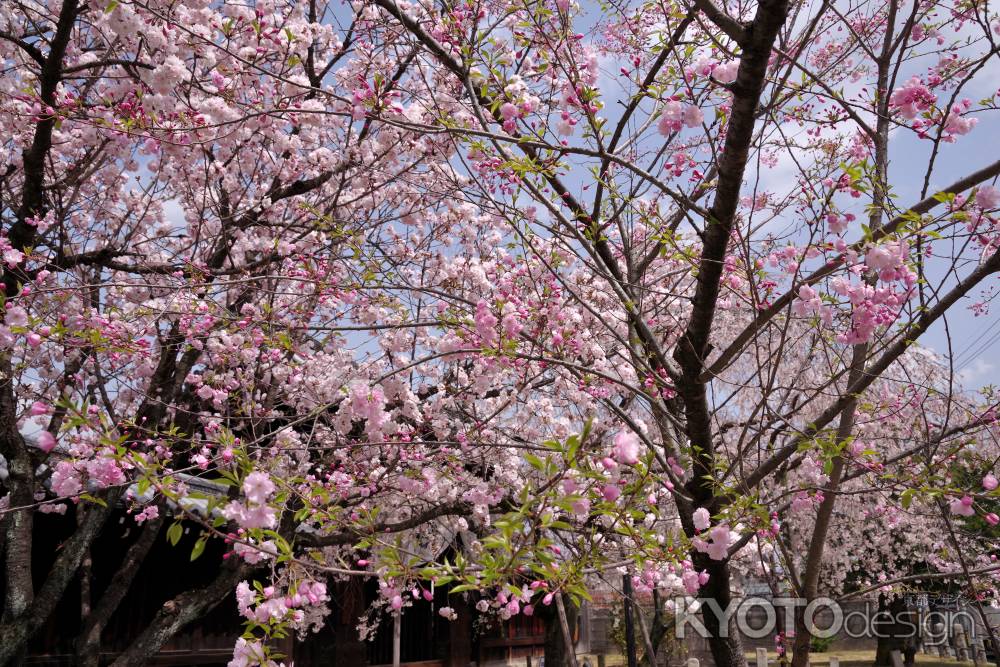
{"x":18,"y":523}
{"x":695,"y":345}
{"x":892,"y":636}
{"x":179,"y":612}
{"x":724,"y":642}
{"x":88,"y":642}
{"x":19,"y":596}
{"x":15,"y":633}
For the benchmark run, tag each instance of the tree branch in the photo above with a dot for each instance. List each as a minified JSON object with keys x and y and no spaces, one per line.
{"x":921,"y":207}
{"x":347,"y":537}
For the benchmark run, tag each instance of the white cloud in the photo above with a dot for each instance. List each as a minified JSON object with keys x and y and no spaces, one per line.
{"x":978,"y":370}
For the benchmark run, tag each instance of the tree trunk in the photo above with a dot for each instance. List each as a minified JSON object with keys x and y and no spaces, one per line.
{"x":88,"y":642}
{"x":18,"y":523}
{"x":824,"y":515}
{"x":555,"y":644}
{"x":889,"y":638}
{"x":658,"y":632}
{"x":15,"y":633}
{"x":179,"y":612}
{"x":727,"y":651}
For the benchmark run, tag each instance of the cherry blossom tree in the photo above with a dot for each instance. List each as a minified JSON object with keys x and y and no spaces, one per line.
{"x":562,"y":288}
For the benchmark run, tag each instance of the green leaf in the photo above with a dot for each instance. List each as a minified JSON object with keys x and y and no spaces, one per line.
{"x":535,"y":462}
{"x":98,"y":501}
{"x":174,"y":533}
{"x":944,"y":197}
{"x":199,"y":547}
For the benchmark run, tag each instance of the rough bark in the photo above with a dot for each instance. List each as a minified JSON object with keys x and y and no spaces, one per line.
{"x":15,"y":633}
{"x":694,"y":346}
{"x":19,"y":596}
{"x":18,"y":525}
{"x":21,"y":234}
{"x":178,"y":612}
{"x":88,"y":642}
{"x":724,"y":643}
{"x":21,"y":487}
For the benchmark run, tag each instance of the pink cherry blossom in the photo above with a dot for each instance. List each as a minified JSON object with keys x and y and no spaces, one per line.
{"x":46,"y":441}
{"x":990,"y":481}
{"x":671,"y":118}
{"x":691,"y":582}
{"x":148,"y":513}
{"x":726,"y":73}
{"x":385,"y":281}
{"x":693,"y":116}
{"x":957,"y":123}
{"x":66,"y":480}
{"x":16,"y":316}
{"x":962,"y":506}
{"x":626,"y":448}
{"x":717,"y":544}
{"x":258,"y":487}
{"x":39,"y":408}
{"x":912,"y":98}
{"x":988,"y":197}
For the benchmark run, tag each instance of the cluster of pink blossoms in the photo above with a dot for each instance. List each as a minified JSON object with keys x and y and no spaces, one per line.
{"x":724,"y":73}
{"x":684,"y":576}
{"x":915,"y":99}
{"x":250,"y":653}
{"x":965,"y":504}
{"x":718,"y":536}
{"x":871,"y":306}
{"x":269,"y":606}
{"x":956,"y":123}
{"x":912,"y":99}
{"x":255,"y":512}
{"x":676,"y":115}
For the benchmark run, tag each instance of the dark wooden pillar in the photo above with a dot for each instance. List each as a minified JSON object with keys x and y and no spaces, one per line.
{"x":349,"y":647}
{"x":460,"y":636}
